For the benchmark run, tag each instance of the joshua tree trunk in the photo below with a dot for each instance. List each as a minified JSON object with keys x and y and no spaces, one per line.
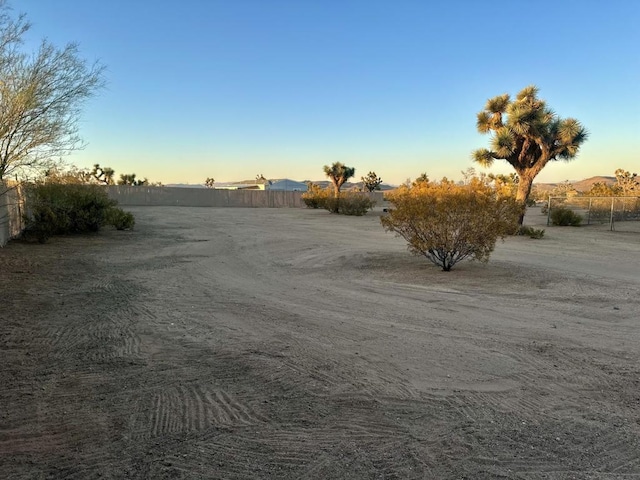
{"x":524,"y":189}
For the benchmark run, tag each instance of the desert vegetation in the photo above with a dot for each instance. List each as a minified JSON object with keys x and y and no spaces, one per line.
{"x":371,"y":182}
{"x":56,"y":209}
{"x":338,"y":173}
{"x":347,"y":203}
{"x":528,"y":135}
{"x":447,"y":222}
{"x":335,"y":201}
{"x":41,"y":94}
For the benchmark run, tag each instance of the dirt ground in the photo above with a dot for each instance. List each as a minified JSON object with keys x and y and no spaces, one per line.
{"x":291,"y":343}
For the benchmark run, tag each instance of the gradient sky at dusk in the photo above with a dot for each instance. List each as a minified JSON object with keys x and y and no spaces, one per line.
{"x":233,"y":88}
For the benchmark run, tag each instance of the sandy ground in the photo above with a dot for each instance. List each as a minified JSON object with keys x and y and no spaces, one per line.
{"x":295,"y":344}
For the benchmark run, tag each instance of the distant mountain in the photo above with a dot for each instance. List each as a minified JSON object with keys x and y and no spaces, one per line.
{"x":580,"y":185}
{"x":587,"y":183}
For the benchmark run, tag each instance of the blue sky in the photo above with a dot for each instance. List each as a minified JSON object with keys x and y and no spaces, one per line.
{"x":233,"y":88}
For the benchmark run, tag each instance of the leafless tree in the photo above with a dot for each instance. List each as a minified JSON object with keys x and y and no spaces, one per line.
{"x":41,"y":95}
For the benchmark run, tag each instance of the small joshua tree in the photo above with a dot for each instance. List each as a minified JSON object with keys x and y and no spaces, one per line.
{"x":338,"y":173}
{"x":371,"y":182}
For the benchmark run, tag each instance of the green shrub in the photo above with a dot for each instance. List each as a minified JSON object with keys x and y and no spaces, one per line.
{"x":531,"y":232}
{"x":120,"y":219}
{"x":563,"y":216}
{"x":332,"y":204}
{"x":59,"y":209}
{"x":312,"y":201}
{"x":353,"y":203}
{"x":348,"y":203}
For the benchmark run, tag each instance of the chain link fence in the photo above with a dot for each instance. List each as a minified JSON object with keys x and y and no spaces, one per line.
{"x":597,"y":210}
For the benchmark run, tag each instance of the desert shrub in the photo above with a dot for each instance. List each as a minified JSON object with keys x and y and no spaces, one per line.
{"x":446,"y":222}
{"x":311,"y":201}
{"x":531,"y":232}
{"x":58,"y":209}
{"x":332,"y":204}
{"x":316,"y":197}
{"x":350,"y":203}
{"x":120,"y":219}
{"x":563,"y":216}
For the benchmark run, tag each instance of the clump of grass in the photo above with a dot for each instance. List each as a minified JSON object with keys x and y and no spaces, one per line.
{"x":536,"y":233}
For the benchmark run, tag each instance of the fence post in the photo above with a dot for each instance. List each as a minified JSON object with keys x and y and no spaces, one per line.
{"x":589,"y":212}
{"x":549,"y":211}
{"x":611,"y":217}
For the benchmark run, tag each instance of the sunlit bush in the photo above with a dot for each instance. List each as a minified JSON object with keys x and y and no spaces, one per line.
{"x":348,"y":203}
{"x":316,"y":197}
{"x":446,"y":222}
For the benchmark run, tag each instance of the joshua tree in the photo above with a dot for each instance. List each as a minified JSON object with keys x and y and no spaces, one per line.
{"x":626,"y":182}
{"x":371,"y":182}
{"x":338,"y":173}
{"x":130,"y":179}
{"x":209,"y":182}
{"x":527,"y":134}
{"x":103,"y":175}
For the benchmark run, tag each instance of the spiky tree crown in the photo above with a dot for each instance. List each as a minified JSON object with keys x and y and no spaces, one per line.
{"x":339,"y":172}
{"x":526,"y":133}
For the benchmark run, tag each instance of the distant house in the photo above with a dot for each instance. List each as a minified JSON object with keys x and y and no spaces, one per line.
{"x":284,"y":184}
{"x":287,"y":185}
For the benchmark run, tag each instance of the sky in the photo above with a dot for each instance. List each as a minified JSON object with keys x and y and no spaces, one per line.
{"x":231,"y":89}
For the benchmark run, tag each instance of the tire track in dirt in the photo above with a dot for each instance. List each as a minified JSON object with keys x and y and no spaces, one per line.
{"x":96,"y":341}
{"x":192,"y":408}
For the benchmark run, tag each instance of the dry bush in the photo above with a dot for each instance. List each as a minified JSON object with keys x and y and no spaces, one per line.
{"x":446,"y":222}
{"x":316,"y":196}
{"x":347,"y":203}
{"x":350,"y":203}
